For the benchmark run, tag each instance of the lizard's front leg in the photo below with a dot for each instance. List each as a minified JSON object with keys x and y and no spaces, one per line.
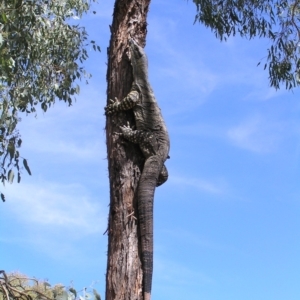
{"x":127,"y":103}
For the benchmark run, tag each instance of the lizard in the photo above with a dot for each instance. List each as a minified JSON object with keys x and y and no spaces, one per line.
{"x":153,"y":139}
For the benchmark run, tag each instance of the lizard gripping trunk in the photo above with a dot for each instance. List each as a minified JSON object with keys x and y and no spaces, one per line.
{"x":152,"y":137}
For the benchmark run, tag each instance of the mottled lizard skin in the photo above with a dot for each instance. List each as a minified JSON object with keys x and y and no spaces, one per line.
{"x":152,"y":137}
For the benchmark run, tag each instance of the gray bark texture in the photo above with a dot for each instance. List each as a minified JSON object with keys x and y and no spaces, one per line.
{"x":124,"y":274}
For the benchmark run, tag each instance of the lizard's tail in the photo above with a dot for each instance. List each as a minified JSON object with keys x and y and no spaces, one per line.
{"x":146,"y":189}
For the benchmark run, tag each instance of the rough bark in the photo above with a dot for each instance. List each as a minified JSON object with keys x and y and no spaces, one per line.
{"x":125,"y":160}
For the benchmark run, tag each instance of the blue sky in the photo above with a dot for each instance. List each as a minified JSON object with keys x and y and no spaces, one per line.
{"x":226,"y":222}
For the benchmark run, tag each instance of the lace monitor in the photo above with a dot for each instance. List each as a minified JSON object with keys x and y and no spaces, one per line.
{"x":152,"y":137}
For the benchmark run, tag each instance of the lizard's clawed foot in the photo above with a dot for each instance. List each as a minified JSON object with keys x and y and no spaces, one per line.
{"x":126,"y":128}
{"x":112,"y":106}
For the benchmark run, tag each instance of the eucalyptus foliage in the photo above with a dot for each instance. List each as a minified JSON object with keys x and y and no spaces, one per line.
{"x":15,"y":286}
{"x":277,"y":20}
{"x":41,"y":56}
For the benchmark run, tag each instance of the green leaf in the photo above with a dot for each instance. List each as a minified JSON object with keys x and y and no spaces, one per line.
{"x":73,"y":291}
{"x":4,"y":18}
{"x":11,"y":176}
{"x":96,"y":294}
{"x":40,"y":53}
{"x":26,"y":166}
{"x":11,"y":150}
{"x":44,"y":106}
{"x":3,"y":197}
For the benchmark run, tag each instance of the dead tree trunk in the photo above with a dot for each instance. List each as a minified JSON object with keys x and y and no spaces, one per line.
{"x":125,"y":161}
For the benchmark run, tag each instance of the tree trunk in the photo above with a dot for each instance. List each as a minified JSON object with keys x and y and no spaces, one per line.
{"x":125,"y":160}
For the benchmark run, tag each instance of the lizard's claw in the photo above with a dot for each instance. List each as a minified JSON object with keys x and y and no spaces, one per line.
{"x":126,"y":128}
{"x":112,"y":106}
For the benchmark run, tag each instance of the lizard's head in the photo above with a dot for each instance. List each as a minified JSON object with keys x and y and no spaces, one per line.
{"x":137,"y":53}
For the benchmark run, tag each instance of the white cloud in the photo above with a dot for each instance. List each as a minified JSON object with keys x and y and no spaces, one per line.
{"x":73,"y":132}
{"x":256,"y":134}
{"x":262,"y":91}
{"x":174,"y":274}
{"x":59,"y":221}
{"x":187,"y":79}
{"x":204,"y":185}
{"x":196,"y":241}
{"x":53,"y":206}
{"x":73,"y":149}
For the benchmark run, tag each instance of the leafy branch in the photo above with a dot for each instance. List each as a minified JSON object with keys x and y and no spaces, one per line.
{"x":278,"y":21}
{"x":19,"y":287}
{"x":41,"y":60}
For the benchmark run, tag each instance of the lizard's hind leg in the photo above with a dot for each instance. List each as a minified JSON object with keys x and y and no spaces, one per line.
{"x":146,"y":140}
{"x":163,"y":176}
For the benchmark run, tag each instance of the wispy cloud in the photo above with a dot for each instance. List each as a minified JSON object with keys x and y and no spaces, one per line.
{"x":256,"y":134}
{"x":74,"y":132}
{"x":218,"y":186}
{"x":93,"y":150}
{"x":176,"y":280}
{"x":174,"y":274}
{"x":195,"y":241}
{"x":57,"y":221}
{"x":55,"y":206}
{"x":209,"y":64}
{"x":172,"y":65}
